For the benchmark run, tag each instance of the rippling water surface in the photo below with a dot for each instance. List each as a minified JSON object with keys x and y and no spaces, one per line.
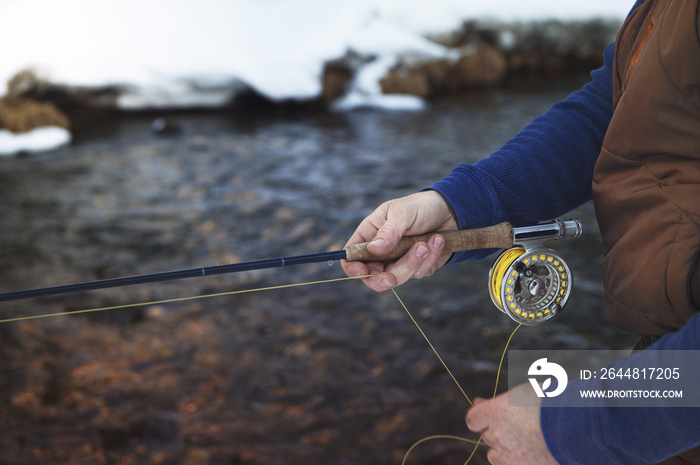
{"x":228,"y":187}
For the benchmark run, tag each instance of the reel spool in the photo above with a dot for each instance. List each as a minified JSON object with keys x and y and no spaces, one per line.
{"x":531,"y":283}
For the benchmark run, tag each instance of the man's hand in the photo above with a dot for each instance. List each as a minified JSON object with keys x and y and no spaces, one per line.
{"x":415,"y":214}
{"x":513,"y":433}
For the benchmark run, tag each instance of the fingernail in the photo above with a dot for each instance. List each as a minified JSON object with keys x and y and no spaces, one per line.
{"x":421,"y":251}
{"x":378,"y":242}
{"x":385,"y":284}
{"x":438,"y":242}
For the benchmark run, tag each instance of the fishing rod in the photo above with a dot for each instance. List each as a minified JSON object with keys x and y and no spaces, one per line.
{"x":526,"y":287}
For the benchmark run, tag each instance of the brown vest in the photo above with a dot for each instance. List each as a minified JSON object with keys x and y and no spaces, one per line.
{"x":646,"y":184}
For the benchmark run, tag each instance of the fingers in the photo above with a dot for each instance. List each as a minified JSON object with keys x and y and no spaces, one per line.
{"x":422,"y":260}
{"x":383,"y":229}
{"x":480,"y":419}
{"x":435,"y":245}
{"x":365,"y":232}
{"x":355,"y":269}
{"x":495,"y":457}
{"x":477,"y":420}
{"x":513,"y":434}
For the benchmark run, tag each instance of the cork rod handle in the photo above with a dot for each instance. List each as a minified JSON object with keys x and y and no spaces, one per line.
{"x":499,"y":236}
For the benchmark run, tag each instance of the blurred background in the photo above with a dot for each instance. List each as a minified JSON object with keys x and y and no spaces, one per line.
{"x":146,"y":136}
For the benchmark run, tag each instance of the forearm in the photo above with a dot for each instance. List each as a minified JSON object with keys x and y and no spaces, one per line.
{"x":627,"y":435}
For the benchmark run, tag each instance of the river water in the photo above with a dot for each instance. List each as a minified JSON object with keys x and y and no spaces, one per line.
{"x":326,"y":372}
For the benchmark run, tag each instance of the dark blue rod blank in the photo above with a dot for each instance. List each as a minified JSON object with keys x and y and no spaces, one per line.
{"x":178,"y":274}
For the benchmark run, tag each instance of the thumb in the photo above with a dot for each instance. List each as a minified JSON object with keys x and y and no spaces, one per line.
{"x":386,"y":239}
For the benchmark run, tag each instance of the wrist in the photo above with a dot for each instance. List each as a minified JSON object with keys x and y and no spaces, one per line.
{"x":442,"y":209}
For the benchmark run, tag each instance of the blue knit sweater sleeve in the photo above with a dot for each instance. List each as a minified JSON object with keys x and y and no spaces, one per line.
{"x":541,"y":173}
{"x":626,"y":435}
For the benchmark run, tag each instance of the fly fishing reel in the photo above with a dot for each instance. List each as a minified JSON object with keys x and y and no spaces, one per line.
{"x":530,"y":282}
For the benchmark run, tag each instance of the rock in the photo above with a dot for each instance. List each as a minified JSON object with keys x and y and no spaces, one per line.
{"x":29,"y":83}
{"x":165,"y":127}
{"x":402,"y":81}
{"x":28,"y":125}
{"x":477,"y":66}
{"x":21,"y":115}
{"x":196,"y":456}
{"x":423,"y":79}
{"x":26,"y":82}
{"x":438,"y":73}
{"x":484,"y":66}
{"x":338,"y":73}
{"x":334,"y":81}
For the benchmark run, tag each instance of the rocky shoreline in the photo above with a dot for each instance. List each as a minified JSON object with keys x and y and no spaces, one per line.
{"x":482,"y":55}
{"x":476,"y":56}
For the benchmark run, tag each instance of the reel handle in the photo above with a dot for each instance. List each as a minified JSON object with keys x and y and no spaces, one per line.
{"x":499,"y":236}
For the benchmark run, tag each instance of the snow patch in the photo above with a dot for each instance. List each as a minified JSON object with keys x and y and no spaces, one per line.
{"x":36,"y":140}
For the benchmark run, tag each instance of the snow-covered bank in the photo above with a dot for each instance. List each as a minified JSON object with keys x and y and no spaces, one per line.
{"x":36,"y":140}
{"x":202,"y":52}
{"x":186,"y":53}
{"x":30,"y":126}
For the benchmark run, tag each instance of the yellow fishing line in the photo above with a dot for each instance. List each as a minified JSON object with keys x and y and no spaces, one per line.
{"x":432,"y":347}
{"x":444,"y":436}
{"x":179,"y":299}
{"x":500,"y":364}
{"x":495,"y":389}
